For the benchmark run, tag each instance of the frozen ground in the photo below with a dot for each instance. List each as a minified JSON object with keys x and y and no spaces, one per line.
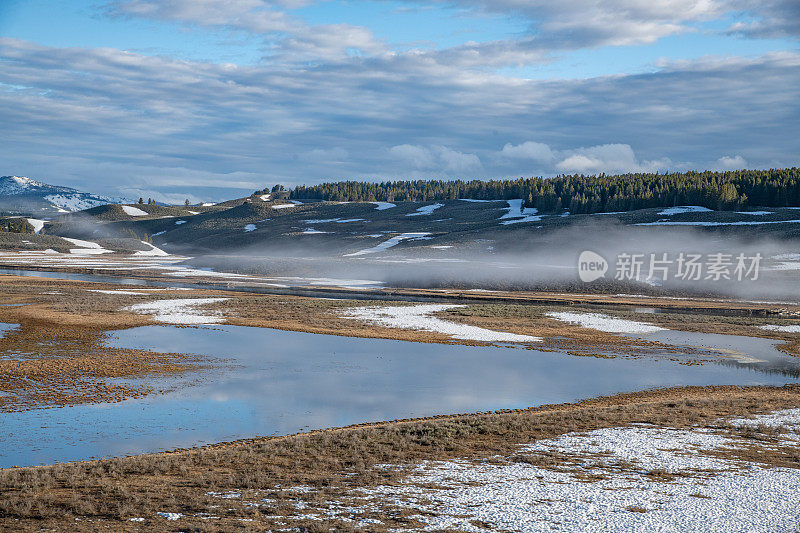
{"x":418,"y":317}
{"x":605,"y":323}
{"x":183,"y":311}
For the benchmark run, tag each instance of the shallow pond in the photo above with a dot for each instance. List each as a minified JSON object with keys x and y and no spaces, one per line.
{"x":281,"y":382}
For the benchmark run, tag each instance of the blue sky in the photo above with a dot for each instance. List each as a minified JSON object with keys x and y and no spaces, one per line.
{"x":212,"y":98}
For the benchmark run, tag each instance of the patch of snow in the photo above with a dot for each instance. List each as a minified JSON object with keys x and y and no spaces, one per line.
{"x":312,"y":231}
{"x":759,"y":213}
{"x":134,"y":211}
{"x":321,"y":220}
{"x":478,"y":201}
{"x":250,"y":227}
{"x":37,"y":224}
{"x":380,"y":206}
{"x":787,"y":418}
{"x":417,"y":317}
{"x":517,"y":214}
{"x":170,"y":516}
{"x":159,"y":233}
{"x":86,"y":247}
{"x":182,"y":311}
{"x":282,"y":206}
{"x":709,"y":494}
{"x":605,"y":323}
{"x":193,"y":212}
{"x":135,"y":519}
{"x":425,"y":210}
{"x":117,"y":292}
{"x":208,"y":204}
{"x":391,"y":242}
{"x":782,"y":329}
{"x":684,"y":209}
{"x":83,"y":244}
{"x":153,"y":251}
{"x":296,"y":202}
{"x":442,"y":246}
{"x":265,"y":197}
{"x":179,"y":222}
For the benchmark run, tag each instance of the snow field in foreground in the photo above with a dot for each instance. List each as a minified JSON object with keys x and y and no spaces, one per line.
{"x":605,"y":323}
{"x":708,"y":494}
{"x":417,"y":317}
{"x":183,"y":311}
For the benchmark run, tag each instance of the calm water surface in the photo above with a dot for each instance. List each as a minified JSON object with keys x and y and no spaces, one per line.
{"x":281,"y":382}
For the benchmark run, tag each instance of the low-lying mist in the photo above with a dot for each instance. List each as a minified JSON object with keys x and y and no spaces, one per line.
{"x":750,"y":267}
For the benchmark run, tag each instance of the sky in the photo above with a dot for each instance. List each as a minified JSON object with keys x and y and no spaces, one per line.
{"x":213,"y":99}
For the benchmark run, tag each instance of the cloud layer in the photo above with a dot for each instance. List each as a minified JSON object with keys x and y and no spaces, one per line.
{"x":334,"y":102}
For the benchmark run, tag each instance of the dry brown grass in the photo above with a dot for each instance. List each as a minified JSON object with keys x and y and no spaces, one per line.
{"x":110,"y":491}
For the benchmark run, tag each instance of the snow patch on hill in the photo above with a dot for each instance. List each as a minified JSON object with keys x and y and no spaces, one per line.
{"x":133,"y":211}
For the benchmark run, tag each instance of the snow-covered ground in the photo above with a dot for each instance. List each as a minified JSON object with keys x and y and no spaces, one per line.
{"x":418,"y":317}
{"x":86,"y":247}
{"x":133,"y":211}
{"x":312,"y":231}
{"x":117,"y":292}
{"x":283,"y":206}
{"x":604,"y":486}
{"x":182,"y":311}
{"x":152,"y":251}
{"x":516,"y":213}
{"x":684,"y":209}
{"x":385,"y":245}
{"x":381,"y":206}
{"x":37,"y":224}
{"x":249,"y":227}
{"x":605,"y":323}
{"x":425,"y":210}
{"x":783,"y":329}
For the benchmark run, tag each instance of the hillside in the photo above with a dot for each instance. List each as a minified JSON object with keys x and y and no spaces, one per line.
{"x":24,"y":196}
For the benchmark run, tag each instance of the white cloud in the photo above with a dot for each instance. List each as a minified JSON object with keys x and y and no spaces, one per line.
{"x":607,"y":158}
{"x":436,"y":158}
{"x":529,"y":150}
{"x":731,"y":163}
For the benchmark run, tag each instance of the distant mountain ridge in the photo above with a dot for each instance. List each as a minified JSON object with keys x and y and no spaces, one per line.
{"x":20,"y":195}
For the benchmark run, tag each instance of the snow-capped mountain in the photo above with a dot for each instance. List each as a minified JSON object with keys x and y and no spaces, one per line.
{"x":24,"y":196}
